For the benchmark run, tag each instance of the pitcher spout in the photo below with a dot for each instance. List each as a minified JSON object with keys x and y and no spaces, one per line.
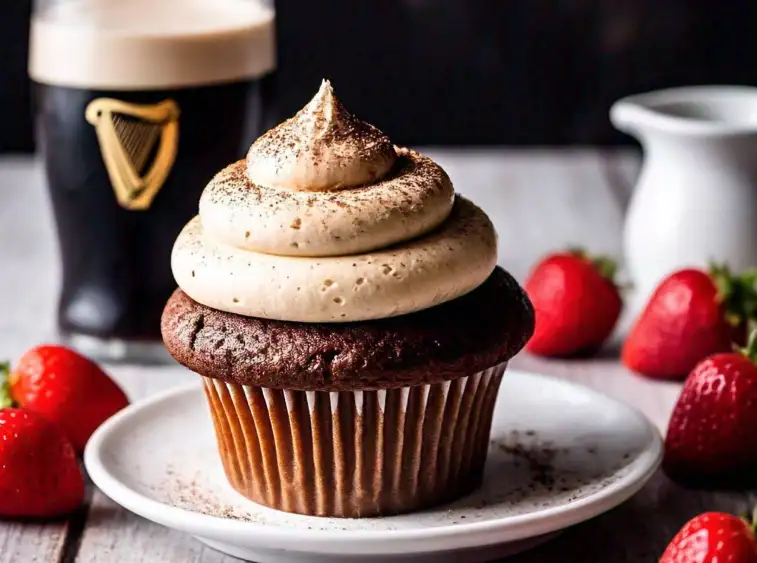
{"x":629,"y":116}
{"x":690,"y":111}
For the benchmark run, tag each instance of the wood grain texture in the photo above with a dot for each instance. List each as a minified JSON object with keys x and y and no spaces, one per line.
{"x":31,"y":542}
{"x":114,"y":534}
{"x":538,"y":199}
{"x":637,"y":531}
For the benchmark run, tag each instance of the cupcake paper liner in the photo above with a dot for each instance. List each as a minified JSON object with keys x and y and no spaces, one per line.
{"x":355,"y":453}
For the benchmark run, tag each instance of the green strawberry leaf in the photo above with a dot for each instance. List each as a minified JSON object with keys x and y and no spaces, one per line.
{"x":6,"y":400}
{"x":737,"y":294}
{"x":750,"y":519}
{"x":604,"y":265}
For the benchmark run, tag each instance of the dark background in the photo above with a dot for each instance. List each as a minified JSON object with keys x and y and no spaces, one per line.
{"x":470,"y":71}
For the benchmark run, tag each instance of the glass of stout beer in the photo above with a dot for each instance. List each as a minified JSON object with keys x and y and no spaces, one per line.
{"x":138,"y":104}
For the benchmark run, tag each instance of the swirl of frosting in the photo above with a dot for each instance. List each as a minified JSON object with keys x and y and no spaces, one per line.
{"x":427,"y":271}
{"x":415,"y":198}
{"x":323,"y":147}
{"x":322,"y":224}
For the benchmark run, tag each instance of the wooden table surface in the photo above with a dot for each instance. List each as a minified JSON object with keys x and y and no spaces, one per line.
{"x":538,"y":200}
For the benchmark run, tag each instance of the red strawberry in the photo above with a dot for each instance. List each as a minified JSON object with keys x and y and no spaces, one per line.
{"x":710,"y":438}
{"x":713,"y":537}
{"x":690,"y":315}
{"x":39,"y":472}
{"x":576,"y":301}
{"x":66,"y":388}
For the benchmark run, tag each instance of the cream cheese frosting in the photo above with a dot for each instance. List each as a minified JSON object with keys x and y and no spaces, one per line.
{"x":396,"y":280}
{"x":323,"y":147}
{"x":414,"y":199}
{"x":327,"y":221}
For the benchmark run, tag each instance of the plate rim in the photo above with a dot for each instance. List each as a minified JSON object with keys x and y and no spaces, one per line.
{"x":435,"y":539}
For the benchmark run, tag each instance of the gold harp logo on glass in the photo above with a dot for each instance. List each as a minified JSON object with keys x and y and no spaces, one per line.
{"x":138,"y":144}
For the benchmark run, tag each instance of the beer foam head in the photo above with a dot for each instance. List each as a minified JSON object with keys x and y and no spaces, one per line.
{"x":151,"y":44}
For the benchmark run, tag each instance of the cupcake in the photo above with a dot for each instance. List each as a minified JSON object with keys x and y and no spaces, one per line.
{"x":345,"y":312}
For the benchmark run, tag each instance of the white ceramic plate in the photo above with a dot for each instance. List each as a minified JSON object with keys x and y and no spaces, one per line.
{"x":560,"y":454}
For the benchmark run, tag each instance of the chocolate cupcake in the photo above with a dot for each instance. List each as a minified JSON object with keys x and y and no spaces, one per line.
{"x":344,"y":309}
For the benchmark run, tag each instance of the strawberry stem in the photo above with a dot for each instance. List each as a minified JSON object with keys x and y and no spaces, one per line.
{"x":737,"y":294}
{"x":607,"y":267}
{"x":6,"y":400}
{"x":604,"y":265}
{"x":750,"y":520}
{"x":750,"y":351}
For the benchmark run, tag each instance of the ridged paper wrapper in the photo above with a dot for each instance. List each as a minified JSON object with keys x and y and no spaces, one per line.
{"x":355,"y":453}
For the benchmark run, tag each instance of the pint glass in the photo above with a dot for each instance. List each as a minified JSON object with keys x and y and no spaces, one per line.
{"x":138,"y":103}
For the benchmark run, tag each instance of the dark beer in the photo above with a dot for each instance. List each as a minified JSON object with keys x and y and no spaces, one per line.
{"x":134,"y":115}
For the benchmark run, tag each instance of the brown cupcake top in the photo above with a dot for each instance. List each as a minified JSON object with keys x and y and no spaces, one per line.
{"x":471,"y":333}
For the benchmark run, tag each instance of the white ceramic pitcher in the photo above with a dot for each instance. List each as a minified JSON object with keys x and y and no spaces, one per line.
{"x":696,"y":196}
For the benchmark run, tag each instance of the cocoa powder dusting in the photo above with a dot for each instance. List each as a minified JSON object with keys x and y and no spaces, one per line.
{"x":402,"y":191}
{"x":191,"y":493}
{"x":324,"y":122}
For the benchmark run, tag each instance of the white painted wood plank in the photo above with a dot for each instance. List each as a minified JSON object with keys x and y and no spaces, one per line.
{"x":114,"y":534}
{"x":539,"y":201}
{"x":31,"y":542}
{"x":637,"y":531}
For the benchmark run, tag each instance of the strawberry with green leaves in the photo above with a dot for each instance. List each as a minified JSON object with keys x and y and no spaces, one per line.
{"x":690,"y":315}
{"x":576,"y":301}
{"x":66,"y":388}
